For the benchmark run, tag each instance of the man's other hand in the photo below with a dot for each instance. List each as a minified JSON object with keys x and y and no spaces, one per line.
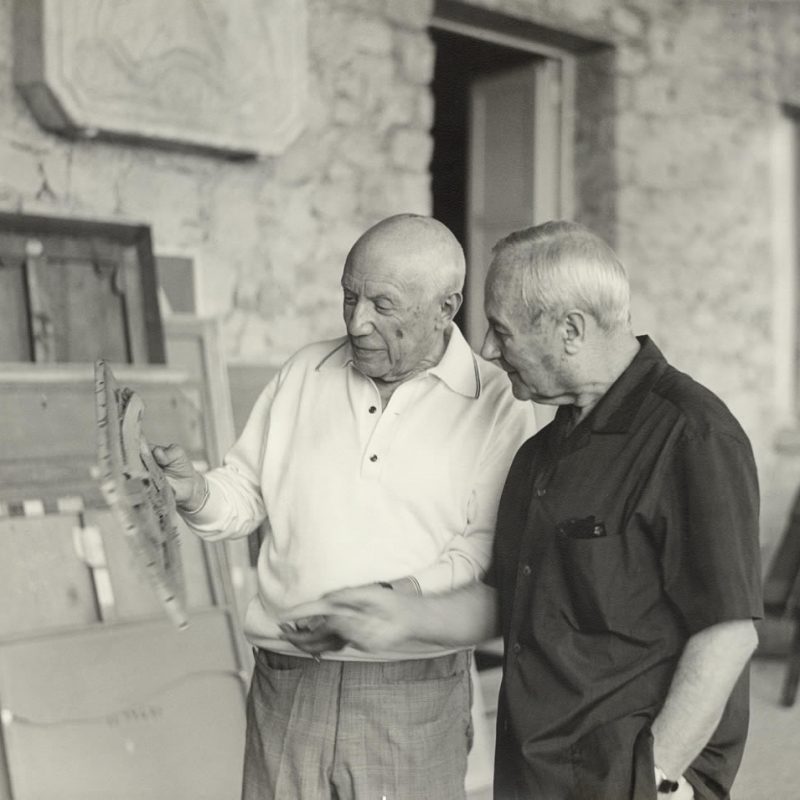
{"x":368,"y":618}
{"x":187,"y":483}
{"x":312,"y":635}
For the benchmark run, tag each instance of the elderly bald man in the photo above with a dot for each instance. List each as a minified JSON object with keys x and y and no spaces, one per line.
{"x":625,"y":575}
{"x":378,"y":458}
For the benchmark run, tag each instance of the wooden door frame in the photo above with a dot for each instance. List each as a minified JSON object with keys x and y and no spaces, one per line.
{"x":455,"y":17}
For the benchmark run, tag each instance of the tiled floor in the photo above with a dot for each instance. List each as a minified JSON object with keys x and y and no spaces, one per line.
{"x":771,"y":766}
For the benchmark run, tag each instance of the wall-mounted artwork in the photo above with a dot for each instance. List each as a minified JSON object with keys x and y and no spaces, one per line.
{"x":203,"y":74}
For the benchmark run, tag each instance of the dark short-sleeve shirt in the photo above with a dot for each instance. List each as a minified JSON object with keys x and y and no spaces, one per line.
{"x":615,"y":543}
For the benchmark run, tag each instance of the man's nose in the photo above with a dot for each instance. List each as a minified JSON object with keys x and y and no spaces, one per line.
{"x":360,"y":321}
{"x":490,"y":349}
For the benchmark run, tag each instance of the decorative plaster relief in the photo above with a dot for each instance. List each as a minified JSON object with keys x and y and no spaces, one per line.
{"x":206,"y":74}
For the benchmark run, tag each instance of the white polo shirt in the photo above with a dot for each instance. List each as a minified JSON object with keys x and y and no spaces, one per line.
{"x":356,"y":494}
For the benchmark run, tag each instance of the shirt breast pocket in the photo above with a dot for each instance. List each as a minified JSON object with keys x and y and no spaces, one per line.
{"x":597,"y":582}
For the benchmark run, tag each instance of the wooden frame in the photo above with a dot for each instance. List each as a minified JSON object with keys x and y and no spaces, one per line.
{"x":194,"y":345}
{"x":211,"y":378}
{"x":94,"y":240}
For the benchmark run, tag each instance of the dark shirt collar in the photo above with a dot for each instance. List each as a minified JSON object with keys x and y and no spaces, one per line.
{"x":617,"y":408}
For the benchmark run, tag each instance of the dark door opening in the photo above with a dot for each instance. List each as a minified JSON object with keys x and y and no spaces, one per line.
{"x":483,"y":151}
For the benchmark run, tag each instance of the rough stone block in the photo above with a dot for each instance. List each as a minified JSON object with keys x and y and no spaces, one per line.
{"x":416,"y":54}
{"x":409,"y":13}
{"x":335,"y":200}
{"x":398,"y":108}
{"x":627,"y":22}
{"x":411,"y":149}
{"x":372,"y":36}
{"x":362,"y":148}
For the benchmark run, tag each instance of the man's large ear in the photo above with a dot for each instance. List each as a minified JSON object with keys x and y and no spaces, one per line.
{"x":450,"y":305}
{"x":574,"y":326}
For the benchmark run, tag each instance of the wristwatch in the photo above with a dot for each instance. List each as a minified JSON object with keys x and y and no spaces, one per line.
{"x":663,"y":784}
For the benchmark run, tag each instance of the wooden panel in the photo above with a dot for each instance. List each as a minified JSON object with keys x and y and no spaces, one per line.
{"x":194,"y":345}
{"x":40,"y":298}
{"x":129,"y":284}
{"x":43,"y":583}
{"x":47,"y":425}
{"x":15,"y":342}
{"x":86,"y":310}
{"x":130,"y":712}
{"x":133,"y":597}
{"x":93,"y":322}
{"x":176,"y":278}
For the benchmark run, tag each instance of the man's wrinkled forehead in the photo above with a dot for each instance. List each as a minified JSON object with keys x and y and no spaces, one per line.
{"x":363,"y":283}
{"x":503,"y":279}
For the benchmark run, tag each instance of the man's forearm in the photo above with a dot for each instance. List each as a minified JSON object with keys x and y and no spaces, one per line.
{"x":705,"y":676}
{"x":375,"y":619}
{"x":460,"y":618}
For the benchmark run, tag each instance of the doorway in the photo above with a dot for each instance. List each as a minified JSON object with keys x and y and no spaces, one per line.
{"x":498,"y":156}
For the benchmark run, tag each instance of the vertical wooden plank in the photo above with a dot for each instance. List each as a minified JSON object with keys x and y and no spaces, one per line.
{"x":148,"y":282}
{"x":94,"y":317}
{"x":129,"y":277}
{"x":15,"y":341}
{"x":42,"y":332}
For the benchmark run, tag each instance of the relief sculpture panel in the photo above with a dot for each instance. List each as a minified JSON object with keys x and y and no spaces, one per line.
{"x":207,"y":74}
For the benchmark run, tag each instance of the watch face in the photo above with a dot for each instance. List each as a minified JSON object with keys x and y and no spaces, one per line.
{"x":666,"y":786}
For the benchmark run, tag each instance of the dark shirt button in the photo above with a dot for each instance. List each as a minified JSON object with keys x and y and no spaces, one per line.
{"x":373,"y":458}
{"x":516,"y":649}
{"x":372,"y":409}
{"x":541,"y":492}
{"x":526,"y":570}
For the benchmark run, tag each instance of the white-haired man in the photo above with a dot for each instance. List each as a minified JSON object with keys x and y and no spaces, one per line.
{"x":378,"y":458}
{"x":625,"y":574}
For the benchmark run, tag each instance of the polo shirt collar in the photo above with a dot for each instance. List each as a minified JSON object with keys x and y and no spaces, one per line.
{"x":457,"y":369}
{"x":617,"y":408}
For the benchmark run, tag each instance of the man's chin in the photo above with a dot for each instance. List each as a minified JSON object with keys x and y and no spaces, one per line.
{"x":370,"y":363}
{"x":518,"y":388}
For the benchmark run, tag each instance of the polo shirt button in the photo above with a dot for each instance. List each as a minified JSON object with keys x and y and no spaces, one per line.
{"x":540,"y":492}
{"x":373,"y":458}
{"x":516,"y":649}
{"x":526,"y":570}
{"x":372,"y":409}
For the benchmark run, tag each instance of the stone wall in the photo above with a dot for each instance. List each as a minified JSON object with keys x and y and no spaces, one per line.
{"x":672,"y":164}
{"x":269,"y":237}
